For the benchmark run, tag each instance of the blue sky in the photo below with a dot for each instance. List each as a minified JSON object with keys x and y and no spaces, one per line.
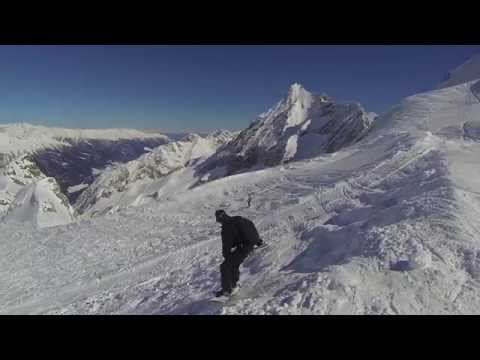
{"x":200,"y":88}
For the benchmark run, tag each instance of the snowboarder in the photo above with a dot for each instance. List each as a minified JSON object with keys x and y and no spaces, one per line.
{"x":249,"y":200}
{"x":239,"y":236}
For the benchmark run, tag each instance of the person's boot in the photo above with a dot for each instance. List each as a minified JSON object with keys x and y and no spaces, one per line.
{"x":223,"y":292}
{"x":235,"y":289}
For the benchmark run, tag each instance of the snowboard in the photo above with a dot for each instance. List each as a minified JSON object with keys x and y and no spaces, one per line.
{"x":227,"y":298}
{"x":238,"y":293}
{"x":264,"y":245}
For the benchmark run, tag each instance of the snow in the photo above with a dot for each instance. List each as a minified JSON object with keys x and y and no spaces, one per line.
{"x":139,"y":180}
{"x":291,"y":148}
{"x":164,"y":257}
{"x":300,"y":125}
{"x":27,"y":195}
{"x":73,"y":189}
{"x":24,"y":185}
{"x":21,"y":138}
{"x":40,"y":204}
{"x":386,"y":225}
{"x":300,"y":101}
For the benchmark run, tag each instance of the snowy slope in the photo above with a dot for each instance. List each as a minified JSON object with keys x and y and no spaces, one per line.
{"x":388,"y":225}
{"x":132,"y":182}
{"x":466,"y":72}
{"x":302,"y":125}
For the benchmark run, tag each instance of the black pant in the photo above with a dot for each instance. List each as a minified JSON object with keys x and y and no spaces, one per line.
{"x":230,"y":268}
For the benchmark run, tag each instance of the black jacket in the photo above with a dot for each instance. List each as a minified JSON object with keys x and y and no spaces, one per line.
{"x":232,"y":236}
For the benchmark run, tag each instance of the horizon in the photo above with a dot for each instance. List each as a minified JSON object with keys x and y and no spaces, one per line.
{"x":182,"y":89}
{"x":109,"y":128}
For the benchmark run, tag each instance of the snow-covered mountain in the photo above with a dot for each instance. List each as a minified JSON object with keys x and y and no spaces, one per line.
{"x":77,"y":164}
{"x":468,"y":71}
{"x":42,"y":167}
{"x":41,"y":203}
{"x":26,"y":194}
{"x":13,"y":177}
{"x":17,"y":139}
{"x":123,"y":184}
{"x":386,"y":225}
{"x":72,"y":156}
{"x":300,"y":126}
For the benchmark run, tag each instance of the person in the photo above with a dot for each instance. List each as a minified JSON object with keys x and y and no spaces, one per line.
{"x":249,"y":201}
{"x":239,"y":237}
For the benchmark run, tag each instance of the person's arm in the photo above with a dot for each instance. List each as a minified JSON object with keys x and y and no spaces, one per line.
{"x":237,"y":235}
{"x":227,"y":241}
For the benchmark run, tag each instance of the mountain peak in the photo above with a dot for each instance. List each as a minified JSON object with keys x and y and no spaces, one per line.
{"x":297,"y":92}
{"x":296,"y":89}
{"x":296,"y":86}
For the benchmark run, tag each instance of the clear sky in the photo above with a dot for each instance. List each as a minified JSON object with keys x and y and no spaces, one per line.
{"x":201,"y":88}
